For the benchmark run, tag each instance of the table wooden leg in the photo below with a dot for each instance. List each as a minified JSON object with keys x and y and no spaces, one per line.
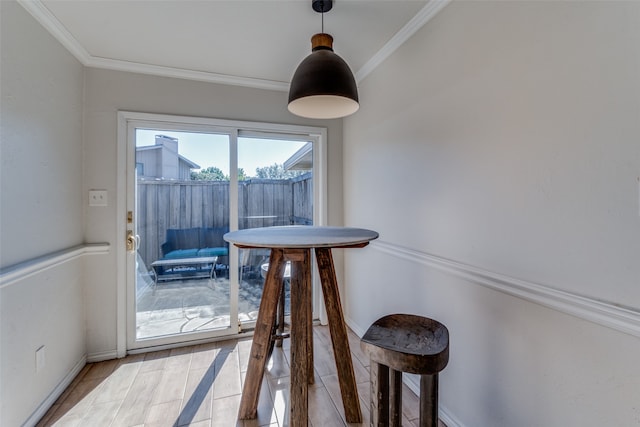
{"x":262,"y":336}
{"x":300,"y":333}
{"x":280,"y":324}
{"x":339,"y":337}
{"x":309,"y":314}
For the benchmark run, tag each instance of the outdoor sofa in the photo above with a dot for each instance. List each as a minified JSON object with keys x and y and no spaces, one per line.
{"x":184,"y":246}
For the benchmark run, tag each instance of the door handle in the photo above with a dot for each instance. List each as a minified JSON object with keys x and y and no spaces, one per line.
{"x":133,"y":241}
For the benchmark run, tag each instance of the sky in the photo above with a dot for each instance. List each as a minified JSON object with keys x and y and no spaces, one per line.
{"x":207,"y":149}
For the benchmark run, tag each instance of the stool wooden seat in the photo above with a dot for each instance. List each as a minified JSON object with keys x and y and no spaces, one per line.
{"x":400,"y":343}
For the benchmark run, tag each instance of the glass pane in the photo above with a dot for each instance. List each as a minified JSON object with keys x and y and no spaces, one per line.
{"x":182,"y":212}
{"x":275,"y":188}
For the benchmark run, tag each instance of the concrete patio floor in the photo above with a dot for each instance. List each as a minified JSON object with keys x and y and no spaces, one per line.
{"x":194,"y":305}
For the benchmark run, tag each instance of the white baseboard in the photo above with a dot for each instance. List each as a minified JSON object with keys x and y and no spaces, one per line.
{"x":104,"y":355}
{"x":357,"y":329}
{"x":443,"y":413}
{"x":55,"y":394}
{"x":447,"y":417}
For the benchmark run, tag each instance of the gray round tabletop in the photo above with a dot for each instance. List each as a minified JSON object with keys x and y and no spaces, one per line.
{"x":300,"y":236}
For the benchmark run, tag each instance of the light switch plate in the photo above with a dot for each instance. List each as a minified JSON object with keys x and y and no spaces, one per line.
{"x":97,"y":197}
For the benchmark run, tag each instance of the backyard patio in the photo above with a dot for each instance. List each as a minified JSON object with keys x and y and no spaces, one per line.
{"x":192,"y":305}
{"x":181,"y":217}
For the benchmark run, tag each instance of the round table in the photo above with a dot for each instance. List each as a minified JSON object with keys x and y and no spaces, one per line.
{"x":294,"y":244}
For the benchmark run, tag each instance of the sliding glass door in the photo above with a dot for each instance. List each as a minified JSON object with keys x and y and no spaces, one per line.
{"x":182,"y":212}
{"x":187,"y":185}
{"x":275,"y":188}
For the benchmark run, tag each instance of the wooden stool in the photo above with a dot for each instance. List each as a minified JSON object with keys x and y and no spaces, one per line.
{"x":277,"y":333}
{"x":405,"y":343}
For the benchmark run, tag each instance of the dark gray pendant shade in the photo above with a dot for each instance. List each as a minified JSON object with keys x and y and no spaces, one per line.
{"x":323,"y":86}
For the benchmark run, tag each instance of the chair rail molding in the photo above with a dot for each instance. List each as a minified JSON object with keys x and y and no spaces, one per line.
{"x":611,"y":315}
{"x":17,"y":272}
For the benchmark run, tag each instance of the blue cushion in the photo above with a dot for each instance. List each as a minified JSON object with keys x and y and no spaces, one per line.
{"x":182,"y":253}
{"x":213,"y":252}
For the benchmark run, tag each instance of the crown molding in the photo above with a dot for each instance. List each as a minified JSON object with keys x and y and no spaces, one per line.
{"x":611,"y":315}
{"x":48,"y":20}
{"x":157,"y":70}
{"x":422,"y":17}
{"x":40,"y":12}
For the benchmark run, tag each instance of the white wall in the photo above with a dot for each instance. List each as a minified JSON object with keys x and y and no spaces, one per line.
{"x":41,"y":141}
{"x":497,"y":154}
{"x":110,"y":91}
{"x":59,"y":141}
{"x":40,"y":213}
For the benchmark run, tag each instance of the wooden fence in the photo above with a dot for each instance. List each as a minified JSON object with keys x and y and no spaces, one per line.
{"x":185,"y":204}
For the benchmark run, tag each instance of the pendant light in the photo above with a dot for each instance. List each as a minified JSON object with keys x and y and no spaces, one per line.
{"x":323,"y":86}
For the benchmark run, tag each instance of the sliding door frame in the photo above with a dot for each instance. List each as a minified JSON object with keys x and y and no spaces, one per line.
{"x":128,"y":121}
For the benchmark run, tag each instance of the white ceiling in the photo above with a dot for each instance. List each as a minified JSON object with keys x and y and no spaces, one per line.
{"x":243,"y":42}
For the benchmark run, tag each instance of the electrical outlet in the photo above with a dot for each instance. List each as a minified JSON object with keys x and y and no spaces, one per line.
{"x":97,"y":197}
{"x":40,"y":359}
